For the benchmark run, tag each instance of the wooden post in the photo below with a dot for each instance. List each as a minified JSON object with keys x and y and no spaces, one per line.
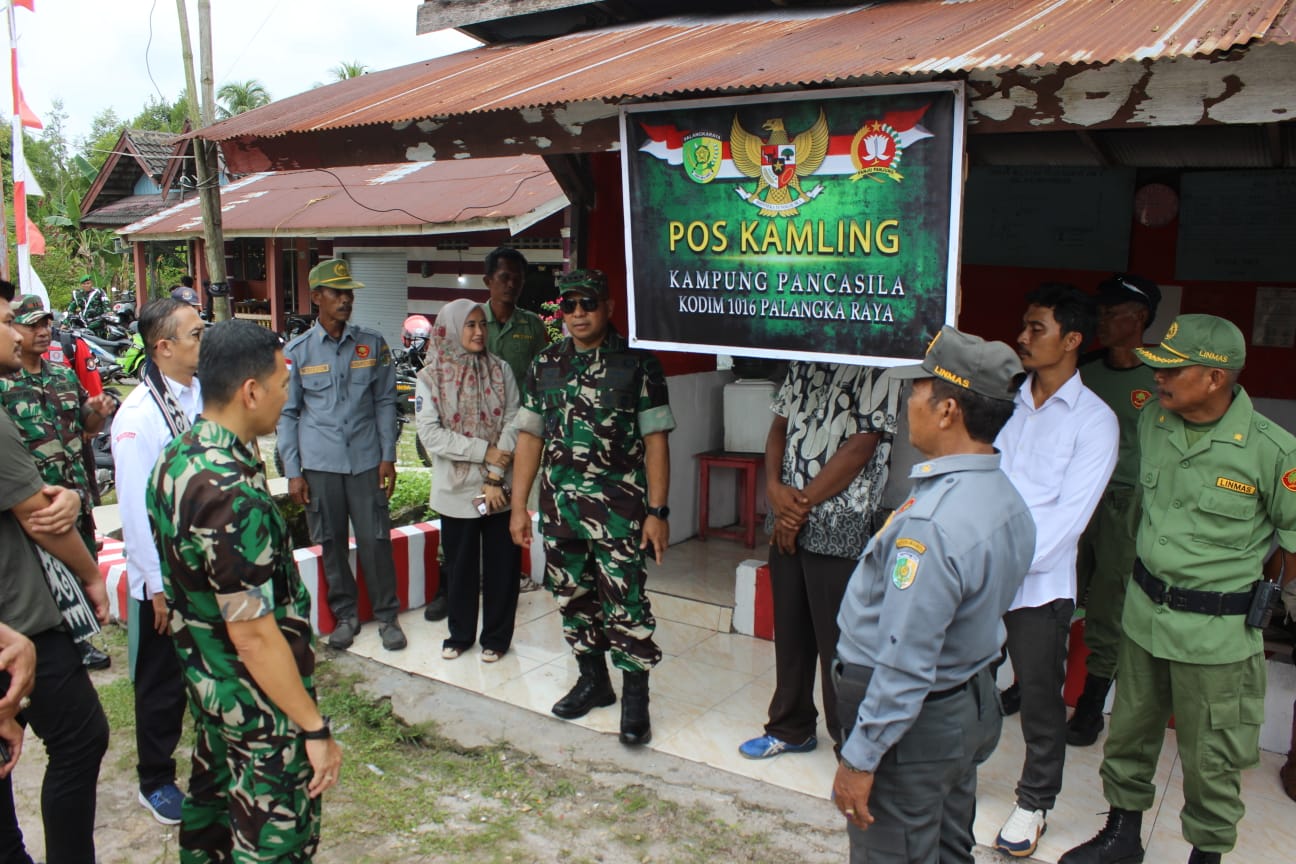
{"x":204,"y":154}
{"x":274,"y":283}
{"x":141,"y":275}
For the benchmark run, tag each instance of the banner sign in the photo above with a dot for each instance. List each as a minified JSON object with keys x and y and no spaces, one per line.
{"x":818,"y":226}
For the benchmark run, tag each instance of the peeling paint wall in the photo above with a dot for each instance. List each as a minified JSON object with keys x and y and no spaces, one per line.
{"x":1244,"y":86}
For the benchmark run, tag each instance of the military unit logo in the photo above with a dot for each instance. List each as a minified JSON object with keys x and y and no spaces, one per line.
{"x":875,"y":151}
{"x":782,"y":162}
{"x":362,"y":350}
{"x":1139,"y":398}
{"x":905,"y":570}
{"x":1289,"y":480}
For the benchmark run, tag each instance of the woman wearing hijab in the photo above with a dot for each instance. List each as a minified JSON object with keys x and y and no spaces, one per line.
{"x":465,"y":402}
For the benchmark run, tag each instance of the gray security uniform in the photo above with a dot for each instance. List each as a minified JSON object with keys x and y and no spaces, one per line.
{"x":339,"y":422}
{"x":921,"y":624}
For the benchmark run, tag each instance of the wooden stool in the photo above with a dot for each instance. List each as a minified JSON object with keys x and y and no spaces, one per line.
{"x":747,"y":465}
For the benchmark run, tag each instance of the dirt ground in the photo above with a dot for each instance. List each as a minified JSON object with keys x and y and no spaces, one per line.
{"x":434,"y":773}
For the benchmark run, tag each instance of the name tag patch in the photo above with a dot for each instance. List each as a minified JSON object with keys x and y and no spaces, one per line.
{"x":910,"y":543}
{"x":905,"y":570}
{"x":360,"y":364}
{"x":315,"y":370}
{"x":1235,"y":485}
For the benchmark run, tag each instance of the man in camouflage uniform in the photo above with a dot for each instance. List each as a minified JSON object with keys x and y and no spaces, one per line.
{"x":51,"y":410}
{"x":55,"y":416}
{"x":595,"y":416}
{"x":240,"y":618}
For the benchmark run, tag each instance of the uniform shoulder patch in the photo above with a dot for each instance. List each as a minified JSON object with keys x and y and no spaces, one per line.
{"x":905,"y":569}
{"x":910,"y":543}
{"x":1139,"y":398}
{"x":1289,"y":480}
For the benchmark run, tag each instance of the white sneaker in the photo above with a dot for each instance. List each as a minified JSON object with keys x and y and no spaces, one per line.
{"x":1020,"y":834}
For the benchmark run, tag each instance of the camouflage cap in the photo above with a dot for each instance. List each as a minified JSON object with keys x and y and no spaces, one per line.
{"x":333,"y":273}
{"x":30,"y":309}
{"x":1198,"y":340}
{"x":990,"y":369}
{"x":185,"y":294}
{"x":590,"y":283}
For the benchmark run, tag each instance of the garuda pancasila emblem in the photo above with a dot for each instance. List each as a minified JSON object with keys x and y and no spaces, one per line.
{"x":779,"y":163}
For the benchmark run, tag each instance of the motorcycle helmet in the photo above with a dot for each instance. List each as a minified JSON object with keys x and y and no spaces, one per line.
{"x":416,"y":327}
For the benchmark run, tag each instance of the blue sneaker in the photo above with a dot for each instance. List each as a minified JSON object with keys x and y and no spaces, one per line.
{"x":767,"y":745}
{"x":164,"y":803}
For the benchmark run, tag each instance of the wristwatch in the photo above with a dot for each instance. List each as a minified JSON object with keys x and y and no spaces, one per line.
{"x":662,"y":512}
{"x":321,"y":734}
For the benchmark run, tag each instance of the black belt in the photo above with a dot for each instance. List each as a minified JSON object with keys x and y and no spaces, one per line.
{"x":1190,"y":600}
{"x":841,"y":667}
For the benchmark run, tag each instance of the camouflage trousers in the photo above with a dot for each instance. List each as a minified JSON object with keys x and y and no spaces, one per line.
{"x":599,"y":585}
{"x":248,"y":803}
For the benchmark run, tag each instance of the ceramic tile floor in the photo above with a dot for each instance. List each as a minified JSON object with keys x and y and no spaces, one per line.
{"x":711,"y":690}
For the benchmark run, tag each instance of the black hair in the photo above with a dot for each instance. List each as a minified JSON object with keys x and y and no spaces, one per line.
{"x":7,"y":289}
{"x":232,"y":352}
{"x":1074,"y":310}
{"x":504,"y":253}
{"x":983,"y":417}
{"x":157,"y":321}
{"x":186,"y":281}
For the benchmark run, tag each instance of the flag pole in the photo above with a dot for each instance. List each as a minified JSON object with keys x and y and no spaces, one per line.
{"x":29,"y":281}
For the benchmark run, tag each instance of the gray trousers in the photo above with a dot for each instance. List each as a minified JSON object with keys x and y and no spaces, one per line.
{"x":924,"y":790}
{"x":1037,"y":644}
{"x":335,"y":500}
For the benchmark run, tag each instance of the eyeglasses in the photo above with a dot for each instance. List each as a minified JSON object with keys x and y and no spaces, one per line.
{"x":568,"y":304}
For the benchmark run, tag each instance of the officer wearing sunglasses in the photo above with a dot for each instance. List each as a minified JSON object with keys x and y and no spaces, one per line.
{"x":594,"y":422}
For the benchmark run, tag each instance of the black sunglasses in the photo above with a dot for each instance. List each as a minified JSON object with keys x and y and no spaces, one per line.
{"x":589,"y":304}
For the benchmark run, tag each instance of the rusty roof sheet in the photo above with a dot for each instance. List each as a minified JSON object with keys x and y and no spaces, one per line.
{"x":797,"y":47}
{"x":369,"y":200}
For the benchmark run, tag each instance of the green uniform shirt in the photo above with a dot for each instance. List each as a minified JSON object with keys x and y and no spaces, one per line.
{"x":1125,"y":391}
{"x":46,"y":408}
{"x":516,"y":341}
{"x":592,"y":410}
{"x":226,"y":556}
{"x":1210,"y":511}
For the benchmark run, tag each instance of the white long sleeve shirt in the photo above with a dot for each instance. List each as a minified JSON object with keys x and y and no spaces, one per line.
{"x":1059,"y":456}
{"x":139,"y":434}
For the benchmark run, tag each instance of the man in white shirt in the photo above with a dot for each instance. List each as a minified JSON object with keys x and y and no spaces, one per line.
{"x":1059,"y":448}
{"x":162,"y":407}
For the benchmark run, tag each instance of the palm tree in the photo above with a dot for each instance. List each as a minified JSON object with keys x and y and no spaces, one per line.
{"x":239,"y":96}
{"x":345,"y":70}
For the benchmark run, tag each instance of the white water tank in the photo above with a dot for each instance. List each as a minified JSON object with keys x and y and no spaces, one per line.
{"x":747,"y":414}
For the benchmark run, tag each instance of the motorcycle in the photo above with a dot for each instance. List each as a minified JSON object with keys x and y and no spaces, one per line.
{"x":101,"y":446}
{"x":124,"y":308}
{"x":295,"y":325}
{"x":132,"y":359}
{"x":406,"y":385}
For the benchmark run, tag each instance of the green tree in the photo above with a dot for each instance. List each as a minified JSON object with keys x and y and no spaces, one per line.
{"x":239,"y":96}
{"x":160,"y":115}
{"x":345,"y":70}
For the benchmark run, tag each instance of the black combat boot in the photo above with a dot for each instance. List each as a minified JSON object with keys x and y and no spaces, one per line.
{"x":1200,"y":857}
{"x":1117,"y":843}
{"x":636,"y":728}
{"x":1087,"y":721}
{"x":593,"y":689}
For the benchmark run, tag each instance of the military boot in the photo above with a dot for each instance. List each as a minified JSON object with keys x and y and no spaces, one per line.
{"x":636,"y":728}
{"x":1200,"y":857}
{"x":593,"y":689}
{"x":1087,"y":721}
{"x":1117,"y":843}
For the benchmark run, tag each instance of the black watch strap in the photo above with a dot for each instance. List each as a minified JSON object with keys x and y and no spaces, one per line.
{"x":321,"y":734}
{"x":662,"y":512}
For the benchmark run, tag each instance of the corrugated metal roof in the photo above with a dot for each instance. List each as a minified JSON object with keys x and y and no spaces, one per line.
{"x":408,"y":198}
{"x":713,"y":54}
{"x":127,"y":210}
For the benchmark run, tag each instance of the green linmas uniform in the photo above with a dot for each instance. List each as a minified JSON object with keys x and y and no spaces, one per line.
{"x":1106,"y":553}
{"x":1210,"y":511}
{"x":225,"y":556}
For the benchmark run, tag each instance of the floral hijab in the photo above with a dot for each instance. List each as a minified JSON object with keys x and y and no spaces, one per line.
{"x":467,"y":388}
